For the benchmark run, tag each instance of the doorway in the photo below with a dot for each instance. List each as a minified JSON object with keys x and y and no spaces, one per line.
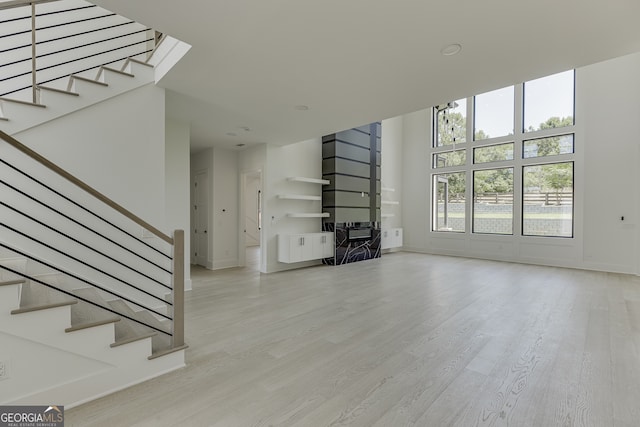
{"x":251,"y":220}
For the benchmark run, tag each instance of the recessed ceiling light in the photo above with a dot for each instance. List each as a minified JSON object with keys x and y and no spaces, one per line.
{"x":302,"y":107}
{"x":232,"y":134}
{"x":452,"y":49}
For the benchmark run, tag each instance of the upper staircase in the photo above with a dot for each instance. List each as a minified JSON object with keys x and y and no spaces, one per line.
{"x":91,"y":295}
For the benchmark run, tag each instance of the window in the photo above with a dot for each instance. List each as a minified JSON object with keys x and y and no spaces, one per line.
{"x":493,"y":114}
{"x":450,"y":158}
{"x":549,"y":102}
{"x":451,"y":123}
{"x":449,"y":204}
{"x":552,"y":146}
{"x":522,"y":179}
{"x":493,"y":201}
{"x":493,"y":153}
{"x":547,"y":200}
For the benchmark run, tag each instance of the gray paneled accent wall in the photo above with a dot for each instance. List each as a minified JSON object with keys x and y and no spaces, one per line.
{"x":351,"y":162}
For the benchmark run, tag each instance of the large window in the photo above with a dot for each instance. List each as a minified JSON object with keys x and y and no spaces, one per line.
{"x":521,"y":178}
{"x":493,"y":201}
{"x":547,"y":200}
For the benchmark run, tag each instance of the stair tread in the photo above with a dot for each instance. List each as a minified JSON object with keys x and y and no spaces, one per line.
{"x":134,"y":339}
{"x":86,"y":79}
{"x":92,"y":324}
{"x":38,"y":307}
{"x":19,"y":101}
{"x":168,"y":351}
{"x":12,"y":282}
{"x":137,"y":61}
{"x":53,"y":89}
{"x":113,"y":70}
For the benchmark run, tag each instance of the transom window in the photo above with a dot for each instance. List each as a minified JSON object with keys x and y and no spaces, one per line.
{"x":516,"y":175}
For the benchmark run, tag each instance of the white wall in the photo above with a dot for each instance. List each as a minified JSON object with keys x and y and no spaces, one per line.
{"x":301,"y":159}
{"x":116,"y":146}
{"x":177,"y":200}
{"x":391,"y":171}
{"x":606,"y":177}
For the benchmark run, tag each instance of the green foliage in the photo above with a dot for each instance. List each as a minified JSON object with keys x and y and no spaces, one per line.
{"x":493,"y":181}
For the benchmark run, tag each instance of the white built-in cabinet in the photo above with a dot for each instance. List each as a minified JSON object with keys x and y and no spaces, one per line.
{"x":305,"y":246}
{"x":391,"y":238}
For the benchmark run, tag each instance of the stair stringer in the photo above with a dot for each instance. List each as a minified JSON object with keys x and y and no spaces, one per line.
{"x":100,"y":370}
{"x":56,"y":104}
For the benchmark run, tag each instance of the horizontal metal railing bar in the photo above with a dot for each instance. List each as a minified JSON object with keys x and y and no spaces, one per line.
{"x":82,"y":33}
{"x":22,"y":3}
{"x":88,"y":189}
{"x":82,"y":244}
{"x":83,"y":225}
{"x":77,"y":47}
{"x":79,"y":71}
{"x":86,"y":264}
{"x":45,"y":13}
{"x":71,"y":294}
{"x":76,"y":60}
{"x":47,"y":27}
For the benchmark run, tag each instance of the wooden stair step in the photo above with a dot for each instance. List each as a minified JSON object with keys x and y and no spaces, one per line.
{"x":19,"y":101}
{"x":134,"y":339}
{"x":137,"y":61}
{"x":38,"y":307}
{"x":167,"y":351}
{"x":92,"y":324}
{"x":113,"y":70}
{"x":53,"y":89}
{"x":12,"y":282}
{"x":88,"y":80}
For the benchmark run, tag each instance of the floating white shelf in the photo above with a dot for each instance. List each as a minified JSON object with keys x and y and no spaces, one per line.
{"x":298,"y":197}
{"x":387,"y":215}
{"x":388,"y":189}
{"x":309,"y":215}
{"x":309,"y":180}
{"x":390,"y":202}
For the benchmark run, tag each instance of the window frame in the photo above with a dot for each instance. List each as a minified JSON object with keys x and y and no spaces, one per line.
{"x":518,"y":163}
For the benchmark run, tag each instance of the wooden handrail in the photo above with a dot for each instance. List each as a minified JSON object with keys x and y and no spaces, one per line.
{"x":95,"y":193}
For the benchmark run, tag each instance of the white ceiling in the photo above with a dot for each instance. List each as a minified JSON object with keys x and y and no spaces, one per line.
{"x":357,"y":61}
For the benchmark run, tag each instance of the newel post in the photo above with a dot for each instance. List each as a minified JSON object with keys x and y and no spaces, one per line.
{"x":178,"y":288}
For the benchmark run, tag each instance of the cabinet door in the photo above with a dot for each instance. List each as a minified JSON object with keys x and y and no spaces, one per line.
{"x":397,"y":236}
{"x":300,"y":247}
{"x":328,"y":245}
{"x":385,"y":239}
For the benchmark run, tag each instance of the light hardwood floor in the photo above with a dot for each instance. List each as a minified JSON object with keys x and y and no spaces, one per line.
{"x":407,"y":340}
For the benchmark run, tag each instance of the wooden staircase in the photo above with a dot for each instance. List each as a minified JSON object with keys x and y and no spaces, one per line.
{"x":124,"y":351}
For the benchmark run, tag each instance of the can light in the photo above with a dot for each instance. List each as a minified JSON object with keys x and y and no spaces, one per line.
{"x":452,"y":49}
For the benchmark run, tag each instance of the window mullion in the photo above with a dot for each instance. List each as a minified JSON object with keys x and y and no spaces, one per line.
{"x":518,"y":115}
